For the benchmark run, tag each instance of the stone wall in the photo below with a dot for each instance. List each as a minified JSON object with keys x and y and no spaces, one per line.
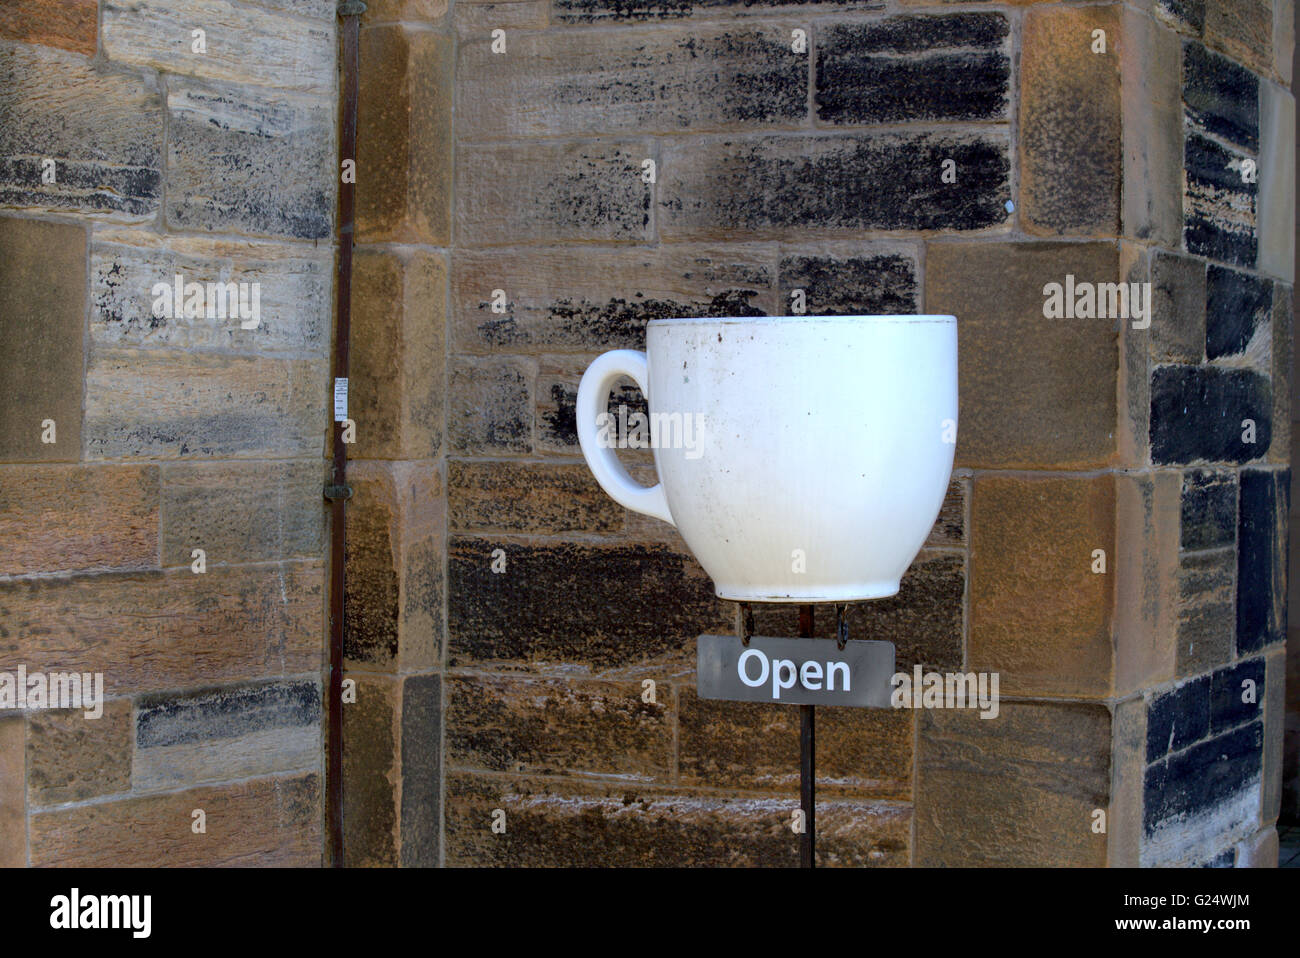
{"x":131,"y":152}
{"x":617,"y":162}
{"x":537,"y":179}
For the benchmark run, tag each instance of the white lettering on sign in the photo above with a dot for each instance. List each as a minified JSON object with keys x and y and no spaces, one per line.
{"x":784,"y":673}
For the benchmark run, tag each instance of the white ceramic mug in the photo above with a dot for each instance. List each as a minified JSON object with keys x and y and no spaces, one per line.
{"x":802,"y":458}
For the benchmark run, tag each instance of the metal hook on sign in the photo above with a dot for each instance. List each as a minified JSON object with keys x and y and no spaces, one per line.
{"x":841,"y":625}
{"x":748,"y":615}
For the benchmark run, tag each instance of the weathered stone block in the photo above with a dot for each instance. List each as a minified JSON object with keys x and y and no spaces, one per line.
{"x":234,"y":732}
{"x":532,"y":497}
{"x":70,"y":518}
{"x":397,"y":376}
{"x":1258,"y":851}
{"x":477,"y":19}
{"x":1204,"y":796}
{"x":1039,"y":614}
{"x":66,"y":24}
{"x":1152,"y":133}
{"x":489,"y":409}
{"x":1207,"y":609}
{"x":570,"y":604}
{"x":291,"y":306}
{"x":242,"y":160}
{"x":106,"y":144}
{"x":914,"y":68}
{"x":796,"y":186}
{"x":404,"y":137}
{"x":1178,"y":296}
{"x":1070,"y":123}
{"x":1237,"y":695}
{"x":13,"y":792}
{"x":240,"y":44}
{"x":1221,"y":97}
{"x":371,"y":772}
{"x":1261,"y":559}
{"x":838,"y":281}
{"x":388,"y":11}
{"x":1178,"y":718}
{"x":1283,"y":380}
{"x":553,"y":823}
{"x":754,"y":746}
{"x":1244,"y":29}
{"x":1277,"y":180}
{"x":1238,"y":307}
{"x":1219,"y":204}
{"x":568,"y":84}
{"x":1199,"y":413}
{"x":575,"y":298}
{"x":394,"y":553}
{"x":169,"y":630}
{"x":265,"y":822}
{"x":422,"y":747}
{"x":1146,"y":621}
{"x":1209,"y":509}
{"x":161,"y":405}
{"x":1017,"y":790}
{"x":1028,"y":406}
{"x":560,"y":727}
{"x":42,"y":322}
{"x":71,"y":758}
{"x":242,"y":511}
{"x":950,"y":527}
{"x":638,"y":10}
{"x":590,"y":190}
{"x":1275,"y":718}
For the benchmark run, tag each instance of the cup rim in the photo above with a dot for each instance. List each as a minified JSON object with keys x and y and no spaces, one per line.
{"x":774,"y":320}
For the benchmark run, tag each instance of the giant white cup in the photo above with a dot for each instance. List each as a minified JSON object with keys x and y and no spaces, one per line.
{"x":802,"y":458}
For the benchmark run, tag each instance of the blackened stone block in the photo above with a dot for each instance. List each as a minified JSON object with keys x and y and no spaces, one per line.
{"x":1221,"y":97}
{"x":1205,"y":777}
{"x":1261,"y":558}
{"x":1188,"y":15}
{"x":914,"y":68}
{"x":1178,"y":718}
{"x":1209,"y":509}
{"x":1236,"y":306}
{"x":557,"y":420}
{"x":165,"y":719}
{"x":576,"y":603}
{"x":1219,"y":205}
{"x":835,"y":184}
{"x":1225,"y":859}
{"x":1197,"y":413}
{"x":841,"y":286}
{"x":584,"y":11}
{"x":421,"y":816}
{"x":1232,"y":701}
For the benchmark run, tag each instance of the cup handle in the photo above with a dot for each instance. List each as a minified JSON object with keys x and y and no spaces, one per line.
{"x":593,"y":399}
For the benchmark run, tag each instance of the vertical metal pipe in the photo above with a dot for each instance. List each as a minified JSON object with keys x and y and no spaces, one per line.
{"x":337,"y":492}
{"x":807,"y":761}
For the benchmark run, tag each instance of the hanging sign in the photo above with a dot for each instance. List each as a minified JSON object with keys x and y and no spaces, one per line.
{"x":784,"y":671}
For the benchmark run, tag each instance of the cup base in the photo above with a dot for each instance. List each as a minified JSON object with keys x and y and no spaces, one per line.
{"x":810,"y":596}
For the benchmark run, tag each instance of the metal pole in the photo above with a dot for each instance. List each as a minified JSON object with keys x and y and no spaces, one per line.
{"x":807,"y":760}
{"x":337,"y":491}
